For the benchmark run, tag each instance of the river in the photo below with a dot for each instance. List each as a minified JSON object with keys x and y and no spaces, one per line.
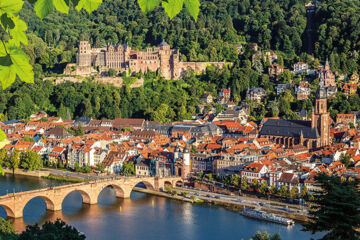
{"x":141,"y":217}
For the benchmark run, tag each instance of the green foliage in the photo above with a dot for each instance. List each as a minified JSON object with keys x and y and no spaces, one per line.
{"x":30,"y":160}
{"x":235,"y":180}
{"x":273,"y":189}
{"x":294,"y":192}
{"x":304,"y":192}
{"x":244,"y":183}
{"x":112,"y":72}
{"x":2,"y":135}
{"x":345,"y":159}
{"x":210,"y":177}
{"x":13,"y":60}
{"x":264,"y":188}
{"x":168,"y":189}
{"x":128,"y":168}
{"x":79,"y":131}
{"x":7,"y":230}
{"x":284,"y":191}
{"x":13,"y":160}
{"x":265,"y":236}
{"x":58,"y":230}
{"x":336,"y":210}
{"x":100,"y":167}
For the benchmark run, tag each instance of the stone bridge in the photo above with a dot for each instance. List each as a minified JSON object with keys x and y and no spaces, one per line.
{"x":14,"y":203}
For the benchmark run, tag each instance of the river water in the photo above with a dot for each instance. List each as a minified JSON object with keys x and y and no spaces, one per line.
{"x":142,"y":216}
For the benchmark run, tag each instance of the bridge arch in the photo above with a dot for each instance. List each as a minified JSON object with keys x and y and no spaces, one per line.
{"x":9,"y":212}
{"x":179,"y":183}
{"x":119,"y":191}
{"x":50,"y":205}
{"x":86,"y":197}
{"x":167,"y":184}
{"x":147,"y":184}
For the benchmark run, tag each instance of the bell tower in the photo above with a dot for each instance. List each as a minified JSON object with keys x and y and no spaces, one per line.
{"x":320,"y":116}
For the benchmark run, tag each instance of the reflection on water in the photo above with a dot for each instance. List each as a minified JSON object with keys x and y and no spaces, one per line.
{"x":145,"y":217}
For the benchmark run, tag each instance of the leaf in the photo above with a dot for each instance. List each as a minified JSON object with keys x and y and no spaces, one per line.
{"x":61,"y":6}
{"x":18,"y":32}
{"x":32,"y":1}
{"x":148,"y":5}
{"x":172,"y":7}
{"x":10,"y":6}
{"x":6,"y":22}
{"x":88,"y":5}
{"x":43,"y":8}
{"x":7,"y":76}
{"x":193,"y":6}
{"x":15,"y":63}
{"x":21,"y":65}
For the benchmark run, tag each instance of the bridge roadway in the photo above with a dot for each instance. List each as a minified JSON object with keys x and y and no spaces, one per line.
{"x":14,"y":203}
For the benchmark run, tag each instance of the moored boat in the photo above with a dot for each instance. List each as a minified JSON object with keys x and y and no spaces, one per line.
{"x":271,"y":217}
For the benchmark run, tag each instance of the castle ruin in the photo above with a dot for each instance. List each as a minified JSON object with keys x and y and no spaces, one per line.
{"x":122,"y":58}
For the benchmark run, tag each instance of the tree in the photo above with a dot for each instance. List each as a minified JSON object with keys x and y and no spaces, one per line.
{"x":244,"y":183}
{"x":2,"y":136}
{"x":57,"y":230}
{"x":265,"y":236}
{"x":210,"y":177}
{"x":79,"y":131}
{"x":13,"y":161}
{"x":264,"y":188}
{"x":100,"y":167}
{"x":273,"y":189}
{"x":201,"y":174}
{"x":112,"y":72}
{"x":77,"y":168}
{"x":284,"y":191}
{"x":7,"y":230}
{"x":304,"y":192}
{"x":128,"y":169}
{"x":3,"y":155}
{"x":30,"y":160}
{"x":336,"y":210}
{"x":235,"y":180}
{"x":255,"y":184}
{"x":294,"y":192}
{"x":345,"y":159}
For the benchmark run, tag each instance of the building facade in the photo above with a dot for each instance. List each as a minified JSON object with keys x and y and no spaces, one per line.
{"x":122,"y":58}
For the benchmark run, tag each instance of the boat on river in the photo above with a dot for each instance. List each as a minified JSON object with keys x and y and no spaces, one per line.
{"x":271,"y":217}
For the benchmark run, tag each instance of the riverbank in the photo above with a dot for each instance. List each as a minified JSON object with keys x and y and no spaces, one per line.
{"x":63,"y":179}
{"x":23,"y":172}
{"x":233,"y":206}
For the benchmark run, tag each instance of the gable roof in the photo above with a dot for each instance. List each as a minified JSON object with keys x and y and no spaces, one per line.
{"x":289,"y":128}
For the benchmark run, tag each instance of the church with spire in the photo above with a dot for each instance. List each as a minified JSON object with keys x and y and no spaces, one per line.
{"x":312,"y":134}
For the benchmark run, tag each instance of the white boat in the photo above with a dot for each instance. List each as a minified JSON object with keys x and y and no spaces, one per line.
{"x":258,"y":214}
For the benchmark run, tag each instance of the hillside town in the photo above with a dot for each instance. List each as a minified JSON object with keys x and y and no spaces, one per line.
{"x":276,"y":151}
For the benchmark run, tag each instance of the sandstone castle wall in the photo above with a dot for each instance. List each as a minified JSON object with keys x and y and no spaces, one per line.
{"x":123,"y":59}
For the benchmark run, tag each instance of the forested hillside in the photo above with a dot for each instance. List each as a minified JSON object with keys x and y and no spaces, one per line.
{"x":277,"y":25}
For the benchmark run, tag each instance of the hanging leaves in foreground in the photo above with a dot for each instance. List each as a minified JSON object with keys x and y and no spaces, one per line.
{"x":148,"y":5}
{"x":172,"y":7}
{"x":14,"y":63}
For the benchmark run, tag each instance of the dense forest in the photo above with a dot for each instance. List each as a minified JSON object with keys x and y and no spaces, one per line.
{"x":221,"y":26}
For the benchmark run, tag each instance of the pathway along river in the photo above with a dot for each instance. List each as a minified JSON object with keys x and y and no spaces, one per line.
{"x":141,"y":217}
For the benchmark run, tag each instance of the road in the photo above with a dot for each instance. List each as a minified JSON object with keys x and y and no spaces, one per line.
{"x":245,"y":201}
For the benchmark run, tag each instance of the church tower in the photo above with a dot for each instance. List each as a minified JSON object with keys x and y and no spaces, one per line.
{"x":320,"y":117}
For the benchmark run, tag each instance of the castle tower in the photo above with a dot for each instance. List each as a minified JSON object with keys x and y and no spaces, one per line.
{"x":84,"y":54}
{"x":165,"y":54}
{"x":186,"y":161}
{"x":320,"y":117}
